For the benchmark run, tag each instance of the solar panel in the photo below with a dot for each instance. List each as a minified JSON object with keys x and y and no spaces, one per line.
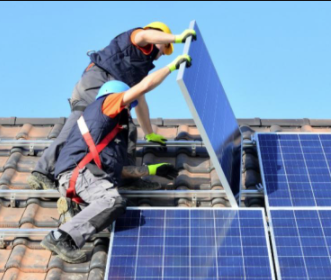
{"x":302,"y":243}
{"x":213,"y":115}
{"x":296,"y":169}
{"x":180,"y":244}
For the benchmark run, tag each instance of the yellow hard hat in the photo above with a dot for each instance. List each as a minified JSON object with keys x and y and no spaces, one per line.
{"x":163,"y":27}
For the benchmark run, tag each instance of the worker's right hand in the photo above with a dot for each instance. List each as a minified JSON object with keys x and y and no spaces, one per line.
{"x":178,"y":61}
{"x":185,"y":34}
{"x":164,"y":170}
{"x":156,"y":138}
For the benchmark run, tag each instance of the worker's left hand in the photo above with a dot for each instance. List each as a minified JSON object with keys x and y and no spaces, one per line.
{"x":185,"y":34}
{"x":164,"y":170}
{"x":178,"y":61}
{"x":156,"y":138}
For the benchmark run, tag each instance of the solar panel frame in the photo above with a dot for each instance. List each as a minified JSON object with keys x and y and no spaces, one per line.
{"x":273,"y":235}
{"x":266,"y":233}
{"x":256,"y":139}
{"x":233,"y":198}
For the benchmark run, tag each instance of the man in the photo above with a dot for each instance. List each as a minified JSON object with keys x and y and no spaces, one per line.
{"x":91,"y":163}
{"x":128,"y":58}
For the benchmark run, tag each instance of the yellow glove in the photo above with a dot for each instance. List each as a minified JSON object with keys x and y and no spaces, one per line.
{"x":156,"y":138}
{"x":179,"y":60}
{"x":186,"y":33}
{"x":165,"y":170}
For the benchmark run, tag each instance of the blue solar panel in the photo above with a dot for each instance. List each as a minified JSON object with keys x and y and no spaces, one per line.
{"x":190,"y":244}
{"x":302,"y":244}
{"x":213,"y":114}
{"x":296,"y":169}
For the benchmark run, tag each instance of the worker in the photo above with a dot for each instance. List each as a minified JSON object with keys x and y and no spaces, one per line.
{"x":128,"y":58}
{"x":91,"y":163}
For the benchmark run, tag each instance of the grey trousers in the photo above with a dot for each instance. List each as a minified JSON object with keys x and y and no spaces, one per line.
{"x":83,"y":94}
{"x":103,"y":205}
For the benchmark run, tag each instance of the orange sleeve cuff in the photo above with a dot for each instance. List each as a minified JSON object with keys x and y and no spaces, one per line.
{"x":147,"y":50}
{"x":112,"y":105}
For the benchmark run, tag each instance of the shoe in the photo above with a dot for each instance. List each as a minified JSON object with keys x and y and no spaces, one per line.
{"x":67,"y":209}
{"x":39,"y":181}
{"x":140,"y":184}
{"x":65,"y":248}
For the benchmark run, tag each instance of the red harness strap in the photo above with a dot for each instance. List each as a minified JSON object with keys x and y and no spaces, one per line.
{"x":71,"y":191}
{"x":89,"y":140}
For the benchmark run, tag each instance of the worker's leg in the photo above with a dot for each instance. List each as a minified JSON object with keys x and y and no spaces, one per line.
{"x":132,"y":143}
{"x":46,"y":163}
{"x":83,"y":94}
{"x":104,"y":206}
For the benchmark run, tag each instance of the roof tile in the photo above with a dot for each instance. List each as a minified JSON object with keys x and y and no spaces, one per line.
{"x":14,"y":180}
{"x":215,"y":181}
{"x":193,"y":164}
{"x":193,"y":181}
{"x":29,"y":260}
{"x":186,"y":132}
{"x":4,"y":256}
{"x":16,"y":274}
{"x":3,"y":161}
{"x":55,"y":131}
{"x":97,"y":274}
{"x":57,"y":274}
{"x":24,"y":131}
{"x":8,"y":132}
{"x":10,"y":217}
{"x":37,"y":216}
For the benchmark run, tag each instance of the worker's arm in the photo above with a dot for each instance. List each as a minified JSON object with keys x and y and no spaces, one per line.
{"x":163,"y":169}
{"x":150,"y":36}
{"x":134,"y":171}
{"x":153,"y":80}
{"x":142,"y":113}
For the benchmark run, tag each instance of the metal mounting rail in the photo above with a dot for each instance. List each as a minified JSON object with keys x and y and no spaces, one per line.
{"x":249,"y":143}
{"x":27,"y":194}
{"x":12,"y":233}
{"x":174,"y":194}
{"x":141,"y":143}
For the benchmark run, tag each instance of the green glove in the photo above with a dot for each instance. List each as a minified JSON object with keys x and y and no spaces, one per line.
{"x":186,"y":33}
{"x":164,"y":170}
{"x":179,"y":60}
{"x":156,"y":138}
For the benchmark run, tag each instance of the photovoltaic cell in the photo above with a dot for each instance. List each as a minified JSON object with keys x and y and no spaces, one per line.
{"x":296,"y":169}
{"x":190,"y":244}
{"x":302,"y":244}
{"x":212,"y":113}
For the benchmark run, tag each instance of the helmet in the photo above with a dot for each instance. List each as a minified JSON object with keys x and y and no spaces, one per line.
{"x":112,"y":87}
{"x":163,"y":27}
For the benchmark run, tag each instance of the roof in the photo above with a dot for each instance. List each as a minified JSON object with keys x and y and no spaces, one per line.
{"x":23,"y":258}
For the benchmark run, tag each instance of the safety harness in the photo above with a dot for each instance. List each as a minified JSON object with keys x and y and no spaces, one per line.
{"x":95,"y":150}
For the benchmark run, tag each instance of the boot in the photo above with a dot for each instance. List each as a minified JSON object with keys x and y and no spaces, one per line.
{"x":65,"y":247}
{"x":39,"y":181}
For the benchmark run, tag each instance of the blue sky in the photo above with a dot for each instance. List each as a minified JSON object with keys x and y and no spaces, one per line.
{"x":273,"y":58}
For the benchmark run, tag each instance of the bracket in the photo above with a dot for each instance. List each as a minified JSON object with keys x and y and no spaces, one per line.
{"x":13,"y":201}
{"x":2,"y":241}
{"x":194,"y":201}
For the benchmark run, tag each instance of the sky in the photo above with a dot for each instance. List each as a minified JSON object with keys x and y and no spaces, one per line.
{"x":273,"y":58}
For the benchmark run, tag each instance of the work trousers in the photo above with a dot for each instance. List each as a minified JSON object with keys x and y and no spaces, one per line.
{"x":103,"y":204}
{"x":83,"y":94}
